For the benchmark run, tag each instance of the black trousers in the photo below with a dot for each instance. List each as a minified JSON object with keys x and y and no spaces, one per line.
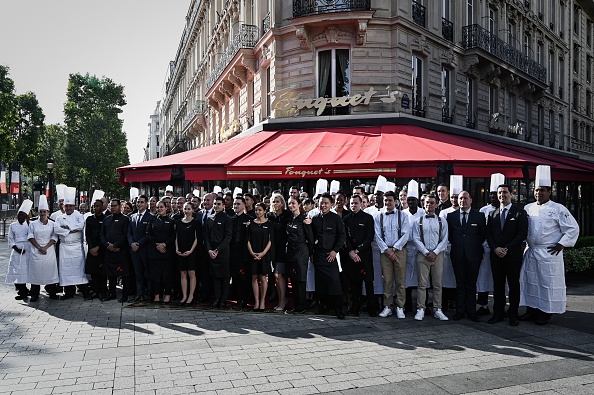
{"x":356,"y":282}
{"x":204,"y":277}
{"x":51,"y":289}
{"x":299,"y":301}
{"x":22,"y":289}
{"x":113,"y":281}
{"x":466,"y":273}
{"x":221,"y":291}
{"x":141,"y":273}
{"x":99,"y":284}
{"x":506,"y":269}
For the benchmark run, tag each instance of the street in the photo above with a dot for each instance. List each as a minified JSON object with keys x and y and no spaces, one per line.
{"x":90,"y":347}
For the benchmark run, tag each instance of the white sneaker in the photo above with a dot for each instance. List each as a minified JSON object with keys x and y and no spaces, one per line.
{"x":420,"y":314}
{"x":386,"y":312}
{"x":439,"y":314}
{"x":400,"y":312}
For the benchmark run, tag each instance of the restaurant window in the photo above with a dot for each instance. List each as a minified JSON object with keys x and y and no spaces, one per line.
{"x":334,"y":77}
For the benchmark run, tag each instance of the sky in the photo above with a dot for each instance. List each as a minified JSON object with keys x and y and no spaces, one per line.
{"x":129,"y":41}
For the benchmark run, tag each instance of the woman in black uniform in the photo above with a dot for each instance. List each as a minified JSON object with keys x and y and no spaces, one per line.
{"x":161,"y":244}
{"x":279,"y":215}
{"x":261,"y":247}
{"x":186,"y":241}
{"x":299,"y":235}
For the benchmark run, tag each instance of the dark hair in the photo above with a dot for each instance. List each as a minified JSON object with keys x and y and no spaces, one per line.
{"x":341,"y":193}
{"x":142,"y":197}
{"x":293,"y":187}
{"x":504,"y":186}
{"x":357,"y":196}
{"x":130,"y":206}
{"x":229,"y":194}
{"x":247,"y":194}
{"x":328,"y":196}
{"x":443,"y":185}
{"x":431,"y":196}
{"x":116,"y":200}
{"x":261,"y":205}
{"x":391,"y":193}
{"x":307,"y":201}
{"x":549,"y":189}
{"x":239,"y":197}
{"x":222,"y":199}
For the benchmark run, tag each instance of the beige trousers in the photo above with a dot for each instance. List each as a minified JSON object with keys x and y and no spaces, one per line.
{"x":394,"y":271}
{"x":424,"y":268}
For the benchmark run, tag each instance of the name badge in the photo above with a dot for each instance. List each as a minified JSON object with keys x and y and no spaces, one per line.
{"x":473,"y":224}
{"x":361,"y":224}
{"x":116,"y":220}
{"x":218,"y":223}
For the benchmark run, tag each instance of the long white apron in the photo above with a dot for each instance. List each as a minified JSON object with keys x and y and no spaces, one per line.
{"x":43,"y":268}
{"x":18,"y":266}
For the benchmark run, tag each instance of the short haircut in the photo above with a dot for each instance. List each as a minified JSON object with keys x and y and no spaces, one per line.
{"x":443,"y":185}
{"x":356,"y":196}
{"x":293,"y":187}
{"x":328,"y":196}
{"x":261,"y":205}
{"x":549,"y":189}
{"x":390,"y":193}
{"x":307,"y":201}
{"x":116,"y":200}
{"x":504,"y":186}
{"x":430,"y":196}
{"x":222,"y":199}
{"x":247,"y":194}
{"x":239,"y":197}
{"x":142,"y":197}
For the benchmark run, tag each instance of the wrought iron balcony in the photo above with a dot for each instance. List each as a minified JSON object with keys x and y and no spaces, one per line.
{"x":312,"y":7}
{"x":246,"y":37}
{"x":474,"y":36}
{"x":266,"y":24}
{"x":471,"y":119}
{"x":199,"y":108}
{"x":418,"y":13}
{"x":447,"y":116}
{"x":447,"y":29}
{"x":581,"y":145}
{"x":419,"y":107}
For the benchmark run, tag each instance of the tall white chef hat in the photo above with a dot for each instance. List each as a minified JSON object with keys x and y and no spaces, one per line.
{"x":413,"y":189}
{"x":26,"y":206}
{"x":196,"y":193}
{"x":217,"y":189}
{"x":43,"y":203}
{"x":543,"y":176}
{"x":70,"y":195}
{"x":456,"y":184}
{"x":169,"y":188}
{"x":237,"y":191}
{"x":321,"y":186}
{"x":133,"y":193}
{"x":334,"y":186}
{"x":381,"y":184}
{"x":390,"y":186}
{"x":496,"y":180}
{"x":60,"y":189}
{"x":97,"y":195}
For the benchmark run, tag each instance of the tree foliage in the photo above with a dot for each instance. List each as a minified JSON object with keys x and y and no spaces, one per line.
{"x":8,"y":114}
{"x":96,"y":143}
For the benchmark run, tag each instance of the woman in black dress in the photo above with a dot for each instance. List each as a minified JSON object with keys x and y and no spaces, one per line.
{"x":186,"y":241}
{"x":161,"y":244}
{"x":279,"y":215}
{"x":260,"y":246}
{"x":299,"y":235}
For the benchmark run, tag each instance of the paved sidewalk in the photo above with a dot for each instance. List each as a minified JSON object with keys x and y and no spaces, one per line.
{"x":81,"y":347}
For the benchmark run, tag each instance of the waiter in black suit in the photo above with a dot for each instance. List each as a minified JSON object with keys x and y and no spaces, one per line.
{"x":218,"y":235}
{"x":507,"y":228}
{"x":138,"y":248}
{"x":203,"y":274}
{"x":467,"y":232}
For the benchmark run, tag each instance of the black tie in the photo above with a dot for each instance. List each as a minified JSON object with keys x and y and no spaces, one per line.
{"x":430,"y":216}
{"x":502,"y":217}
{"x":389,"y":212}
{"x":464,"y":218}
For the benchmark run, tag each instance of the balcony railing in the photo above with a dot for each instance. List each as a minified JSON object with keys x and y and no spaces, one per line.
{"x":447,"y":29}
{"x":199,"y":108}
{"x":246,"y":37}
{"x":474,"y":36}
{"x":447,"y":116}
{"x":418,"y":13}
{"x":312,"y":7}
{"x":266,"y":24}
{"x":581,"y":145}
{"x":419,"y":107}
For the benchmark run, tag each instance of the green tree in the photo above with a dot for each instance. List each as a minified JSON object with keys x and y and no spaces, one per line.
{"x":27,"y":135}
{"x":96,"y":143}
{"x":8,"y":114}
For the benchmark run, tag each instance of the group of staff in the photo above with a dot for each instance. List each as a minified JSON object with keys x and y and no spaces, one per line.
{"x":331,"y":251}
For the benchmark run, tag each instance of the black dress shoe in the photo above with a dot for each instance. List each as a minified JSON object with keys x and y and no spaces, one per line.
{"x":527,"y":317}
{"x":458,"y":316}
{"x":53,"y":296}
{"x":541,"y":321}
{"x":66,"y":296}
{"x":514,"y":321}
{"x":474,"y":317}
{"x":34,"y":298}
{"x":496,"y":318}
{"x":138,"y":299}
{"x":340,"y":314}
{"x":483,"y":311}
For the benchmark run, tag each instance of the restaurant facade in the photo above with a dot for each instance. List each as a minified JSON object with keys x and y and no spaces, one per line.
{"x":280,"y":93}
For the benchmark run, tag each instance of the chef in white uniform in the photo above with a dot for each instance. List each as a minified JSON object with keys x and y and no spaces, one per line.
{"x":18,"y":266}
{"x":411,"y":249}
{"x":551,"y":228}
{"x":43,"y":265}
{"x":484,"y":282}
{"x":69,"y":227}
{"x":448,"y":279}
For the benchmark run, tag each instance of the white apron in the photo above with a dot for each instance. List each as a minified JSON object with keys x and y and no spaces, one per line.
{"x":484,"y":282}
{"x":448,"y":279}
{"x":72,"y":255}
{"x":43,"y":269}
{"x":542,"y":278}
{"x":310,"y":284}
{"x":411,"y":251}
{"x":18,"y":265}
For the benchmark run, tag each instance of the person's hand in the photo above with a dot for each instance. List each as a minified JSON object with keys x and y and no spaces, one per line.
{"x":354,"y":256}
{"x":331,"y":256}
{"x":500,"y":252}
{"x":307,"y":221}
{"x":432,"y":257}
{"x":213,"y":253}
{"x":555,"y":250}
{"x":135,"y":246}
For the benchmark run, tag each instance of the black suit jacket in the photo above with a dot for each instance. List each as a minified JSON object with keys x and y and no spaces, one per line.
{"x":467,"y":242}
{"x":137,"y":232}
{"x":515,"y":231}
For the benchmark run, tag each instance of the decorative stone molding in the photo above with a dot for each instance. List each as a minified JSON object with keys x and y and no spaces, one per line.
{"x":249,"y":62}
{"x":448,"y":59}
{"x":219,"y":98}
{"x":240,"y":73}
{"x":469,"y":64}
{"x":526,"y":90}
{"x":303,"y":37}
{"x":420,"y":45}
{"x":234,"y":80}
{"x":226,"y":88}
{"x":361,"y":33}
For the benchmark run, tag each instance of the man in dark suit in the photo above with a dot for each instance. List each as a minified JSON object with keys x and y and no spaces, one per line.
{"x":217,"y":239}
{"x":467,"y":232}
{"x":507,"y":228}
{"x":203,"y":273}
{"x":138,"y":248}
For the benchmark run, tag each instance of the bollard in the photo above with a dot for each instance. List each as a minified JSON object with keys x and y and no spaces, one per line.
{"x":3,"y":228}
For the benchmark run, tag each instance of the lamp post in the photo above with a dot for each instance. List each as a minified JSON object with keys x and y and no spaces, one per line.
{"x":78,"y":177}
{"x":50,"y":179}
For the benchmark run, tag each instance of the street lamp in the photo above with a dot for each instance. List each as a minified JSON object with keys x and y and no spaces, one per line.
{"x":50,"y":180}
{"x":78,"y":190}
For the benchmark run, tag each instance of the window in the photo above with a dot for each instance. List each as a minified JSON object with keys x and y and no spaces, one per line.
{"x":334,"y":77}
{"x":588,"y":68}
{"x":540,"y":125}
{"x":527,"y":48}
{"x":551,"y":127}
{"x":528,"y":116}
{"x":576,"y":96}
{"x":493,"y":107}
{"x":445,"y":9}
{"x":470,"y":116}
{"x":540,"y":54}
{"x":576,"y":21}
{"x":512,"y":109}
{"x":588,"y":103}
{"x":561,"y":76}
{"x":552,"y":14}
{"x":445,"y":95}
{"x":589,"y":33}
{"x":267,"y":91}
{"x":418,"y":99}
{"x":492,"y":21}
{"x":561,"y":19}
{"x":511,"y":35}
{"x":469,"y":12}
{"x":576,"y":58}
{"x":551,"y":72}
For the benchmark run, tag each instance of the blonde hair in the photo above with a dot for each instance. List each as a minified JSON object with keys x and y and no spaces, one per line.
{"x":281,"y":198}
